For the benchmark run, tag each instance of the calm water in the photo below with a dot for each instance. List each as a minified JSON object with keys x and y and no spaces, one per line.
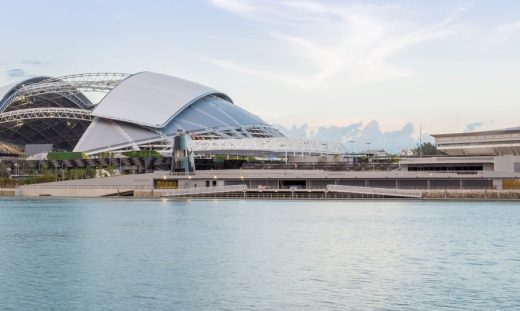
{"x":83,"y":254}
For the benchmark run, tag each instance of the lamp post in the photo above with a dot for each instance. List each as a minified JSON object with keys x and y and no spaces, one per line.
{"x":285,"y":148}
{"x":352,"y":146}
{"x":367,"y":149}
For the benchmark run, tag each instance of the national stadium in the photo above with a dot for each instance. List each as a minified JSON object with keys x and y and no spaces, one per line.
{"x":100,"y":112}
{"x":104,"y":121}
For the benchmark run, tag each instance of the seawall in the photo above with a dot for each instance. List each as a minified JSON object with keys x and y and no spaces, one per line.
{"x":473,"y":194}
{"x":7,"y":192}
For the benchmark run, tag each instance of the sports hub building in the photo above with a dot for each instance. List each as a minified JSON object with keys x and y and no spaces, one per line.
{"x":134,"y":111}
{"x":493,"y":151}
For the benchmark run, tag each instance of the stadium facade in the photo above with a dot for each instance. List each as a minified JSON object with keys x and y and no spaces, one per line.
{"x":135,"y":111}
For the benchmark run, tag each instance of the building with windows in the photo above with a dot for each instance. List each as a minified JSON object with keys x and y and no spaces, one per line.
{"x":472,"y":153}
{"x":482,"y":143}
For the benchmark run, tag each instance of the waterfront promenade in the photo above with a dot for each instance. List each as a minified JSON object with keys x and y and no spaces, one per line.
{"x":284,"y":184}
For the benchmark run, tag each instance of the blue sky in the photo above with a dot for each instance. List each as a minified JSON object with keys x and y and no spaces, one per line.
{"x":364,"y":70}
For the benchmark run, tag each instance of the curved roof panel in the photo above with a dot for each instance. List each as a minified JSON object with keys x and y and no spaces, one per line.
{"x":211,"y":112}
{"x":151,"y":99}
{"x":103,"y":134}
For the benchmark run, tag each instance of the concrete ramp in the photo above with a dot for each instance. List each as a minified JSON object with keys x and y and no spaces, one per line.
{"x":87,"y":191}
{"x":399,"y":193}
{"x":203,"y":190}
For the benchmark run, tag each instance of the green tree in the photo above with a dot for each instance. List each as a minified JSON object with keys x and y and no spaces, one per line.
{"x":427,"y":149}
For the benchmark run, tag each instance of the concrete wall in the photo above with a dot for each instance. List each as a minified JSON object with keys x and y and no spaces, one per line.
{"x":351,"y":182}
{"x":68,"y":192}
{"x":413,"y":184}
{"x":382,"y":183}
{"x":7,"y":192}
{"x":445,"y":184}
{"x":506,"y":163}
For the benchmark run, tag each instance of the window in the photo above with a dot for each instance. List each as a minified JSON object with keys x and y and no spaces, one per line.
{"x":166,"y":184}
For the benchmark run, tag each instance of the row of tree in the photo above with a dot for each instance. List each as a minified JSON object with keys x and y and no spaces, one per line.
{"x":48,"y":175}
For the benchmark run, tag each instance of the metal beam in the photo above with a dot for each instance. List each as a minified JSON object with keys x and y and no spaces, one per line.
{"x":71,"y":87}
{"x":45,"y":113}
{"x":276,"y":144}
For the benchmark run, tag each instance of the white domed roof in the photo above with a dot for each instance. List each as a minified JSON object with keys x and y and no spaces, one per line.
{"x":151,"y":99}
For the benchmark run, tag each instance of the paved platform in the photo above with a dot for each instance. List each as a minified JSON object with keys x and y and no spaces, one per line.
{"x":397,"y":193}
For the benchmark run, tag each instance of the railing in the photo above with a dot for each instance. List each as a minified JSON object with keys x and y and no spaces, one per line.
{"x":203,"y":190}
{"x":459,"y":159}
{"x":376,"y":191}
{"x":275,"y":144}
{"x":85,"y":187}
{"x":46,"y":113}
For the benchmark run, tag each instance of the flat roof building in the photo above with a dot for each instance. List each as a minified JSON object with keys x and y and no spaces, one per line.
{"x":495,"y":151}
{"x":487,"y":143}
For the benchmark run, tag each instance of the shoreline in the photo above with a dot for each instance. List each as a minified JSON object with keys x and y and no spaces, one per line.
{"x":432,"y":195}
{"x":279,"y":185}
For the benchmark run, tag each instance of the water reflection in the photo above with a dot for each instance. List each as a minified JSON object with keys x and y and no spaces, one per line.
{"x":138,"y":254}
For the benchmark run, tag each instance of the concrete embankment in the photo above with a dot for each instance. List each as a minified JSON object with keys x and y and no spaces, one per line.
{"x":7,"y":192}
{"x":473,"y":194}
{"x":319,"y":194}
{"x":272,"y":184}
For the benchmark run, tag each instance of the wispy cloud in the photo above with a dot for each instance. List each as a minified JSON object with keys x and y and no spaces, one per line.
{"x":19,"y":71}
{"x":354,"y":42}
{"x":473,"y":126}
{"x":16,"y":73}
{"x":34,"y":62}
{"x":236,"y":6}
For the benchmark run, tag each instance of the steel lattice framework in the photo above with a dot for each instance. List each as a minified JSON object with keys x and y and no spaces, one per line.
{"x":70,"y":87}
{"x":60,"y":126}
{"x":45,"y":113}
{"x":276,"y":144}
{"x":253,"y":146}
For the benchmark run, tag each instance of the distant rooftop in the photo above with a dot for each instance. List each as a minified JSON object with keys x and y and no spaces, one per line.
{"x":489,"y":132}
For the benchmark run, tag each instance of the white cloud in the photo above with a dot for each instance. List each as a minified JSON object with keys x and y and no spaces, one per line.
{"x":356,"y":135}
{"x":353,"y":42}
{"x":473,"y":126}
{"x":235,"y":6}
